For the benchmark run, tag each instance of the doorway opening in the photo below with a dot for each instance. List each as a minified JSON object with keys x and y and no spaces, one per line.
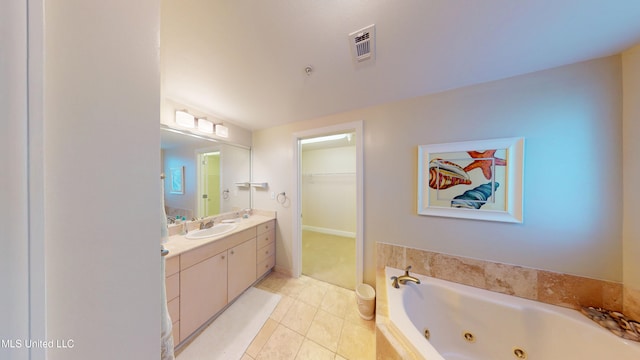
{"x":328,"y":198}
{"x":209,"y":184}
{"x":328,"y":238}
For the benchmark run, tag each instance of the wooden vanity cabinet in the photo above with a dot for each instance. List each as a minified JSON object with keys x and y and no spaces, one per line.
{"x":203,"y":292}
{"x":241,"y":267}
{"x":202,"y":281}
{"x":172,"y":282}
{"x":266,"y":244}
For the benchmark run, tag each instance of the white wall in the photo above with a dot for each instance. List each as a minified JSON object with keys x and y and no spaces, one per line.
{"x":14,"y":217}
{"x":329,"y":189}
{"x":631,"y":166}
{"x":571,"y":119}
{"x":102,"y":199}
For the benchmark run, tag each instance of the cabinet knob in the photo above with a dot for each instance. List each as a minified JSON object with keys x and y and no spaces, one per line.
{"x":222,"y":257}
{"x":266,"y":239}
{"x":266,"y":251}
{"x":231,"y":252}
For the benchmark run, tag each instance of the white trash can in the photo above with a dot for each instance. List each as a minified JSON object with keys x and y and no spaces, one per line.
{"x":366,"y":298}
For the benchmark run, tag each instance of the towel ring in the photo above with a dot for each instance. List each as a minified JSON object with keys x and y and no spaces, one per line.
{"x":281,"y":198}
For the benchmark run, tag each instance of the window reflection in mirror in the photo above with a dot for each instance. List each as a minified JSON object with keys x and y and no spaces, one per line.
{"x":212,"y":171}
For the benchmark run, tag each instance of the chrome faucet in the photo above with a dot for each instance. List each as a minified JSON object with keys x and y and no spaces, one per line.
{"x":402,"y":279}
{"x":207,"y":225}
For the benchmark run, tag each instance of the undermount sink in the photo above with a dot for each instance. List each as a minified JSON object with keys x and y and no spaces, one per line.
{"x":211,"y":232}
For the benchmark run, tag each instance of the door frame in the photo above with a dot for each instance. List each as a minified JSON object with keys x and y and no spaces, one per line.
{"x":357,"y":128}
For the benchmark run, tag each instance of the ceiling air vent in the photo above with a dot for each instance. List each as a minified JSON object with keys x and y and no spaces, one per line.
{"x":363,"y":43}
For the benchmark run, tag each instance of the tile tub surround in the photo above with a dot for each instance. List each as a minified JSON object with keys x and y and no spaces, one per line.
{"x":540,"y":285}
{"x":631,"y":302}
{"x":553,"y":288}
{"x":389,"y":346}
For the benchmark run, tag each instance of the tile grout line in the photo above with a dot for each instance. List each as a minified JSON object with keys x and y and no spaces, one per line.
{"x":295,"y":293}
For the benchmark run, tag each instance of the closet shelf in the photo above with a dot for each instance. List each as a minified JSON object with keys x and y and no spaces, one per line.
{"x":329,"y":174}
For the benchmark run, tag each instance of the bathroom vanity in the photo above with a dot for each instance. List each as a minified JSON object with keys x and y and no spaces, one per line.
{"x":204,"y":276}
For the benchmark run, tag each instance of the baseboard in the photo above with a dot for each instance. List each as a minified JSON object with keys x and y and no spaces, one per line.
{"x":328,"y":231}
{"x":281,"y":270}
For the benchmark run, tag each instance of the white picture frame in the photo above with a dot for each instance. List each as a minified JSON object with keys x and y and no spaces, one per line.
{"x":480,"y":180}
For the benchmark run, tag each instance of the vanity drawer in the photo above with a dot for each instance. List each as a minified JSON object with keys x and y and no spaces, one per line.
{"x":265,"y":265}
{"x":214,"y":248}
{"x":262,"y":228}
{"x":174,"y":309}
{"x":266,"y":238}
{"x":266,"y":251}
{"x":172,"y":266}
{"x":173,"y":286}
{"x":176,"y":332}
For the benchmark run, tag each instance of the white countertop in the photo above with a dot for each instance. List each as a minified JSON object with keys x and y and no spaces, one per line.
{"x":179,"y":244}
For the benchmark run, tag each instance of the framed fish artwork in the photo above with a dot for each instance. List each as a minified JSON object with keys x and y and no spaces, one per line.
{"x":480,"y":180}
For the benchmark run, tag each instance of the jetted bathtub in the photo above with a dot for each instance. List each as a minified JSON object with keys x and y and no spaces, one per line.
{"x":466,"y":323}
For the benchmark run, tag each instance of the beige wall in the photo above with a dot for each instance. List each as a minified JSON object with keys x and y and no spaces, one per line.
{"x":235,"y":167}
{"x":571,"y":120}
{"x":631,"y":173}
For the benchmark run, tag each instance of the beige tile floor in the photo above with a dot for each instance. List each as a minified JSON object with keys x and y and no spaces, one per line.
{"x":313,"y":320}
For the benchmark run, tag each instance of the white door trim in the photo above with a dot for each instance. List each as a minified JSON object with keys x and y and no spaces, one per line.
{"x":357,"y":127}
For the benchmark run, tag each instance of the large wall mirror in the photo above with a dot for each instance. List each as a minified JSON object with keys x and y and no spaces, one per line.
{"x":203,"y":177}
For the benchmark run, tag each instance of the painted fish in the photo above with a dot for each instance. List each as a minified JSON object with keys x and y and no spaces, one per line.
{"x":444,"y":174}
{"x":474,"y":198}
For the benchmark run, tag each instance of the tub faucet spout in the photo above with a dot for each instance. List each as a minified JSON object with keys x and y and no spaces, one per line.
{"x":406,"y":277}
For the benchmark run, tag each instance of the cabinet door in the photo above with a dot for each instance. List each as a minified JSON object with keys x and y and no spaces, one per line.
{"x":203,"y":292}
{"x":242,"y":268}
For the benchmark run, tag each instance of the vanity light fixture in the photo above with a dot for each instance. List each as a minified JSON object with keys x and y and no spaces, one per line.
{"x":222,"y":131}
{"x":185,"y":119}
{"x":205,"y":125}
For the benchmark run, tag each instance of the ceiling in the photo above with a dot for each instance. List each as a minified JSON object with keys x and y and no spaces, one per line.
{"x":243,"y":61}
